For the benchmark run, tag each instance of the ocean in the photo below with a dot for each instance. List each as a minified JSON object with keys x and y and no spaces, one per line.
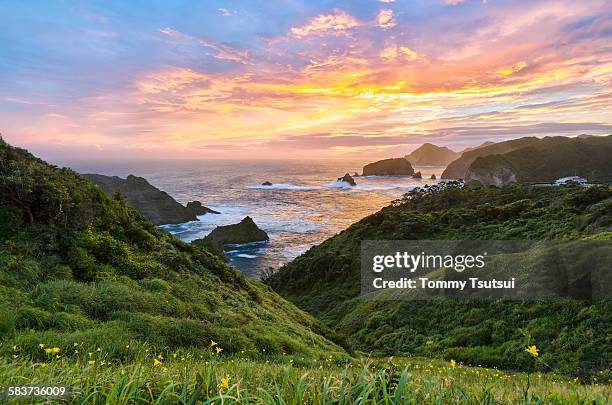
{"x":305,"y":205}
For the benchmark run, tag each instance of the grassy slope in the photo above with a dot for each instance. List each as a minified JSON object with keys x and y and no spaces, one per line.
{"x":575,"y":335}
{"x":551,"y":158}
{"x":458,"y":168}
{"x":236,"y":380}
{"x":81,"y":269}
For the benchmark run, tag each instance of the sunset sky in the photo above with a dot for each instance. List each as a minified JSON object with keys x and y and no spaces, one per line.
{"x":298,"y":78}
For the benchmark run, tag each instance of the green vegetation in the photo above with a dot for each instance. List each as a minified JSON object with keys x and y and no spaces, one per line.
{"x":237,"y":380}
{"x":458,"y":169}
{"x":574,"y":335}
{"x":78,"y":266}
{"x":93,"y":296}
{"x":548,"y":159}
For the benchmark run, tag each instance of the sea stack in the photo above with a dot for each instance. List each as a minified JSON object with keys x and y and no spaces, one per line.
{"x":389,"y":167}
{"x":433,"y":177}
{"x":417,"y":175}
{"x":197,"y":208}
{"x":347,"y":178}
{"x":246,"y":231}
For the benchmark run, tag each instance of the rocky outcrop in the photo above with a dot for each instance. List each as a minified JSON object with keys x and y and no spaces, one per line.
{"x":246,"y":231}
{"x":159,"y":207}
{"x":198,"y":209}
{"x":389,"y":167}
{"x":417,"y":175}
{"x":266,"y":183}
{"x":433,"y":177}
{"x":429,"y":154}
{"x":498,"y":177}
{"x":347,"y":178}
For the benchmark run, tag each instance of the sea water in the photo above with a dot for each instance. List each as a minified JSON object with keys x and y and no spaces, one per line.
{"x":304,"y":206}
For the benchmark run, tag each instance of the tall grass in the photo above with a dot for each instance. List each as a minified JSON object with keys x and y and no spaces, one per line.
{"x":279,"y":380}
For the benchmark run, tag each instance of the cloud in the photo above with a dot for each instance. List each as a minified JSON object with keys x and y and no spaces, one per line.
{"x":334,"y":83}
{"x":387,"y":1}
{"x":512,"y":69}
{"x":225,"y":12}
{"x":223,"y":51}
{"x":399,"y":53}
{"x":386,"y":19}
{"x":337,"y":23}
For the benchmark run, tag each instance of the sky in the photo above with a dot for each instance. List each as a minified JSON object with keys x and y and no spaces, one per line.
{"x":147,"y":79}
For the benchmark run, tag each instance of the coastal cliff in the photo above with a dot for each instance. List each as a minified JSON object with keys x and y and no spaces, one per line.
{"x":157,"y":205}
{"x":545,"y":160}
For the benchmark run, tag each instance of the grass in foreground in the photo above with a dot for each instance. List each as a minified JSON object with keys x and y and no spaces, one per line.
{"x":154,"y":378}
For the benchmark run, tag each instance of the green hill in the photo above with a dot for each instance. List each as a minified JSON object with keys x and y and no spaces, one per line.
{"x":546,"y":160}
{"x":575,"y":334}
{"x":458,"y":169}
{"x":82,"y":272}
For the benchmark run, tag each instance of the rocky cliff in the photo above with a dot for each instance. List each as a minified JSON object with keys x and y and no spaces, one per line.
{"x":389,"y":167}
{"x":159,"y":207}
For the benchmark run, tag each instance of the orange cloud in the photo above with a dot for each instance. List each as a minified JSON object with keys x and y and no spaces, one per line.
{"x":512,"y":69}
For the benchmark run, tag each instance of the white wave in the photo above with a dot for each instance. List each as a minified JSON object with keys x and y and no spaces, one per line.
{"x":246,"y":256}
{"x":340,"y":184}
{"x":285,"y":186}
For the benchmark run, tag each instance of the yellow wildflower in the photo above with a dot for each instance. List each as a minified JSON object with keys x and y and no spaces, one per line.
{"x":14,"y":347}
{"x":453,"y":363}
{"x":218,"y":349}
{"x":156,"y":362}
{"x":225,"y":382}
{"x":91,"y":362}
{"x":52,"y":350}
{"x":41,"y":345}
{"x":213,"y":343}
{"x":533,"y":350}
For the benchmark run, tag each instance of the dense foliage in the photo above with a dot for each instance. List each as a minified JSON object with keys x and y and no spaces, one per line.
{"x":81,"y":272}
{"x":549,"y":159}
{"x":575,"y":336}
